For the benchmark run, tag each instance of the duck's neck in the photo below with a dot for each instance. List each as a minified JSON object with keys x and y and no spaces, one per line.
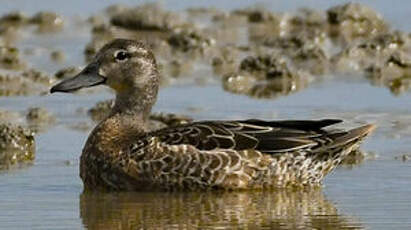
{"x":129,"y":117}
{"x":132,"y":107}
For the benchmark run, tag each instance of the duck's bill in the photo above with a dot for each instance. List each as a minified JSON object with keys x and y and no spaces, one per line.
{"x":87,"y":78}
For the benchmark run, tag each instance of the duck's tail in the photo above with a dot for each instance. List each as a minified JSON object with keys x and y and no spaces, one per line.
{"x":352,"y":136}
{"x":343,"y":143}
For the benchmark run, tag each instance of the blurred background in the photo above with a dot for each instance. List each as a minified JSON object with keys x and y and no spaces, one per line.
{"x":218,"y":60}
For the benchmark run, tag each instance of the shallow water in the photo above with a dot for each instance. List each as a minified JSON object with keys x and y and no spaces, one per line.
{"x":371,"y":195}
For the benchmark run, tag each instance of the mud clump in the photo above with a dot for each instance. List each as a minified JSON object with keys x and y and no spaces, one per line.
{"x":394,"y":73}
{"x":57,"y":56}
{"x":45,"y":21}
{"x":146,"y":17}
{"x":148,"y":22}
{"x":225,"y":61}
{"x":259,"y":32}
{"x":16,"y":145}
{"x":301,"y":37}
{"x":270,"y":65}
{"x":362,"y":54}
{"x":10,"y":58}
{"x":303,"y":53}
{"x":37,"y":76}
{"x":384,"y":60}
{"x":15,"y":18}
{"x":309,"y":22}
{"x":265,"y":76}
{"x":176,"y":68}
{"x":186,"y":40}
{"x":288,"y":43}
{"x":255,"y":15}
{"x":306,"y":23}
{"x":403,"y":157}
{"x":352,"y":21}
{"x":47,"y":18}
{"x":28,"y":82}
{"x":39,"y":119}
{"x":312,"y":59}
{"x":92,"y":47}
{"x":67,"y":72}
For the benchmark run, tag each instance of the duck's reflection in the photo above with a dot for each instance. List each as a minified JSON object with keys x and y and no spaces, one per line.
{"x":285,"y":209}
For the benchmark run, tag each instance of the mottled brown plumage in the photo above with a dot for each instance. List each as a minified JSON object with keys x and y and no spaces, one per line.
{"x":121,"y":155}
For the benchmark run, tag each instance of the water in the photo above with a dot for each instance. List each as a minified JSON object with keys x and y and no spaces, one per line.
{"x":372,"y":195}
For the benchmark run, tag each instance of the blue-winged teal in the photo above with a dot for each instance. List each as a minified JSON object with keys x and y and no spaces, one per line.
{"x":120,"y":154}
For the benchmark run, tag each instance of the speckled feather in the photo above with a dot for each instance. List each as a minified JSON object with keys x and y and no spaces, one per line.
{"x":227,"y":155}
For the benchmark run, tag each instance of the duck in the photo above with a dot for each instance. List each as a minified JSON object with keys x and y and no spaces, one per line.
{"x":121,"y":154}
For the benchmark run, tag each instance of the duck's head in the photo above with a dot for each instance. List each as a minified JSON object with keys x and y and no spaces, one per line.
{"x":124,"y":65}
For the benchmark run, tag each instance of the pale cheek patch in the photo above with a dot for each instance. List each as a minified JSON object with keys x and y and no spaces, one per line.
{"x":102,"y":72}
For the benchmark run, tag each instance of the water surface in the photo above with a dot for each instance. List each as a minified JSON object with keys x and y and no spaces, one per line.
{"x":372,"y":195}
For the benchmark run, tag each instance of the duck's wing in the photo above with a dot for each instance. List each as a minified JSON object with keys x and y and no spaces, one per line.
{"x":234,"y":154}
{"x":265,"y":136}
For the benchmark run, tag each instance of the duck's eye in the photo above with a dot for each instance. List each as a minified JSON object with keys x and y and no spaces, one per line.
{"x":121,"y":55}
